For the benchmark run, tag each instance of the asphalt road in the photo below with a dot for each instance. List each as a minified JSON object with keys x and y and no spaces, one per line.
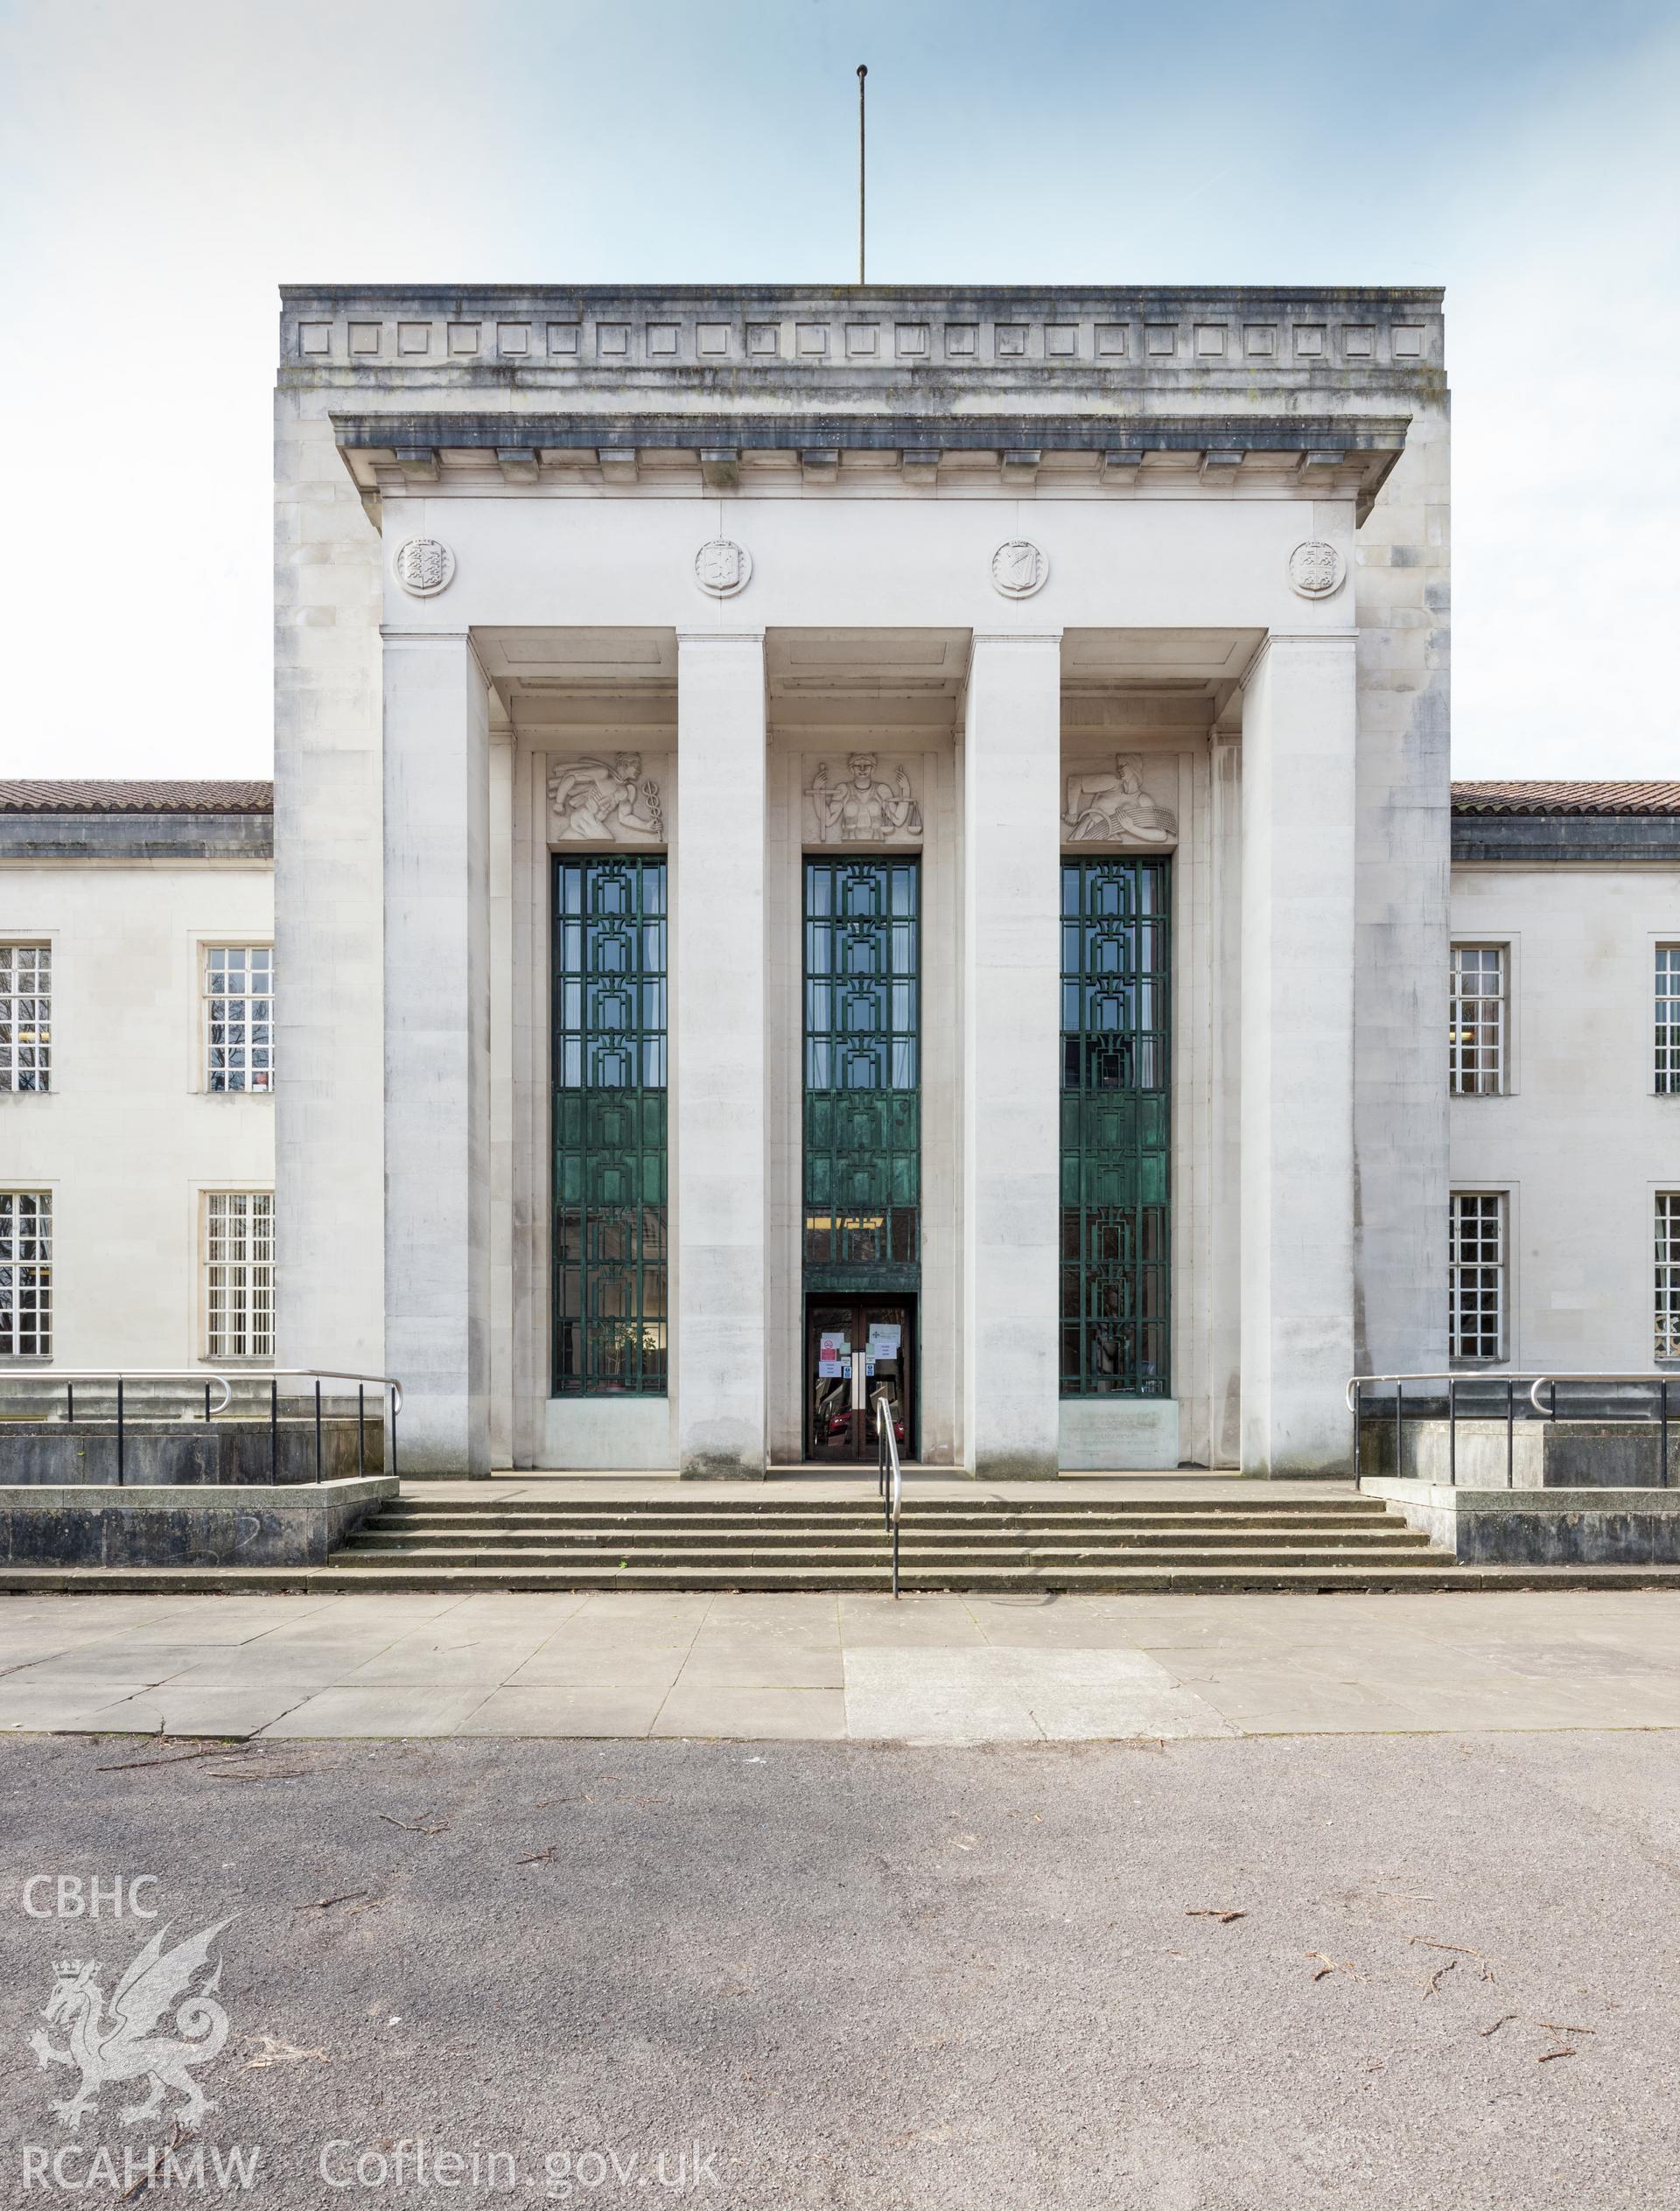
{"x":877,"y":1977}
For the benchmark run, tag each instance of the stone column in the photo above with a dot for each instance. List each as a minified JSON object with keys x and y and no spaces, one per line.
{"x":437,"y":1119}
{"x":1011,"y":988}
{"x":719,"y":1130}
{"x":1297,"y":1052}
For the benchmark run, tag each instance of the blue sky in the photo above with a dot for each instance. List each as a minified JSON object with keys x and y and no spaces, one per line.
{"x":165,"y":163}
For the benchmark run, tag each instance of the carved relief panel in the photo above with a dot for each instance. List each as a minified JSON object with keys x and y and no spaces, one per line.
{"x":1121,"y":800}
{"x":609,"y":798}
{"x":862,"y":798}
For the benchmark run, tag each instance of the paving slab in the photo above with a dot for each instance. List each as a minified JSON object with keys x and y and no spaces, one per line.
{"x":180,"y":1708}
{"x":50,"y":1707}
{"x":448,"y":1656}
{"x":908,"y":1623}
{"x":1008,"y":1695}
{"x":541,"y":1710}
{"x":566,"y":1666}
{"x":708,"y":1711}
{"x":741,"y":1659}
{"x":120,"y":1658}
{"x":382,"y":1709}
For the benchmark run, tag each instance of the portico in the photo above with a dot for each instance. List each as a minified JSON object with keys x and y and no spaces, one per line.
{"x":949,"y":833}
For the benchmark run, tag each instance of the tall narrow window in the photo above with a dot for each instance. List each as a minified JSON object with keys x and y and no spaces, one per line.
{"x":25,"y":1274}
{"x":1116,"y":1127}
{"x":1668,"y":1274}
{"x":239,"y":1274}
{"x":1668,"y":1019}
{"x":25,"y":1016}
{"x":1479,"y":1273}
{"x":863,"y":1073}
{"x":1477,"y":1035}
{"x":610,"y":1113}
{"x":239,"y":1017}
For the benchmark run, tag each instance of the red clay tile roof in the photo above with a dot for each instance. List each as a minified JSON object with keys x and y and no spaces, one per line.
{"x":1522,"y":797}
{"x":1565,"y":798}
{"x":135,"y":798}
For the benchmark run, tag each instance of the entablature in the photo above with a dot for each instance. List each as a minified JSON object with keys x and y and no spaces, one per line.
{"x":1284,"y":456}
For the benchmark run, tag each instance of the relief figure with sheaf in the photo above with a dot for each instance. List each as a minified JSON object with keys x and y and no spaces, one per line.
{"x":1104,"y":806}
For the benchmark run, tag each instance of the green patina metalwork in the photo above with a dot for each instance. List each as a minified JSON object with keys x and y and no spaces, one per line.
{"x":1116,"y":1127}
{"x":610,"y":1219}
{"x":863,"y":1073}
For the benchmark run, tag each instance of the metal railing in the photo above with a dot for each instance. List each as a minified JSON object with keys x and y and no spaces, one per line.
{"x":889,"y":1474}
{"x":265,"y":1402}
{"x":1650,"y":1409}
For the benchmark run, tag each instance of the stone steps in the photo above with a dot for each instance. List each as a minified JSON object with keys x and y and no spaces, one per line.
{"x":809,"y":1524}
{"x":384,"y":1537}
{"x":829,"y":1543}
{"x":866,"y":1506}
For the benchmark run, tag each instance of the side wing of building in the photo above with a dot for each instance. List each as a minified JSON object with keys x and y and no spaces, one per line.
{"x":137,"y":1073}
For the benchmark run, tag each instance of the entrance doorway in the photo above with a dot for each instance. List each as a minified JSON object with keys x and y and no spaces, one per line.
{"x":843,"y":1333}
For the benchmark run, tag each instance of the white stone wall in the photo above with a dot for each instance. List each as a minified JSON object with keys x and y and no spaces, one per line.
{"x":1581,"y":1141}
{"x":329,"y":900}
{"x":128,"y":1137}
{"x":1400,"y":579}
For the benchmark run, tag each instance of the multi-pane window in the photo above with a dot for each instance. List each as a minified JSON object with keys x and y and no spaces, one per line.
{"x":863,"y":1075}
{"x":1668,"y":1274}
{"x":611,"y":1208}
{"x":1479,"y":1272}
{"x":1668,"y":1018}
{"x":239,"y":1017}
{"x":25,"y":1274}
{"x":25,"y":1016}
{"x":239,"y":1274}
{"x":1477,"y":1033}
{"x":1116,"y":1127}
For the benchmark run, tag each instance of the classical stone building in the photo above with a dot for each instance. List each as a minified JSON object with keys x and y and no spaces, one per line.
{"x":838,"y":842}
{"x":807,"y":819}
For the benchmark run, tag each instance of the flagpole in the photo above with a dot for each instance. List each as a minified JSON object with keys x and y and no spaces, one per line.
{"x":863,"y":71}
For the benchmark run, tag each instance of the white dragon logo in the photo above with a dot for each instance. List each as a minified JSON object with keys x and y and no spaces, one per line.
{"x":117,"y":2044}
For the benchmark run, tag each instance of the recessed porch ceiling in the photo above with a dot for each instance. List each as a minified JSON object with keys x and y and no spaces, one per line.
{"x":910,"y":675}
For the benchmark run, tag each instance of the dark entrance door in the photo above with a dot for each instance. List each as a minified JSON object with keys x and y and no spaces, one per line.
{"x":843,"y":1333}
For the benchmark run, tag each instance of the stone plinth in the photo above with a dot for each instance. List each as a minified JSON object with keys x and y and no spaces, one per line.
{"x":177,"y":1524}
{"x":1537,"y":1527}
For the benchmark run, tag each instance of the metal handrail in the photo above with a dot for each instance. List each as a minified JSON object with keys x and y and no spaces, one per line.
{"x":889,"y":1474}
{"x":1551,"y":1382}
{"x":1457,"y":1378}
{"x":70,"y":1375}
{"x":210,"y":1378}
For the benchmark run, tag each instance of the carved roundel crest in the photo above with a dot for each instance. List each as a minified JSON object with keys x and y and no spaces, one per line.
{"x":1316,"y":569}
{"x":424,"y":566}
{"x":1019,"y":569}
{"x":722,"y":568}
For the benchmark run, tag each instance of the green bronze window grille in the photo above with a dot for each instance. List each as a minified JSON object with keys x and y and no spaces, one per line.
{"x":863,"y":1073}
{"x":610,"y":1115}
{"x":1116,"y":1127}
